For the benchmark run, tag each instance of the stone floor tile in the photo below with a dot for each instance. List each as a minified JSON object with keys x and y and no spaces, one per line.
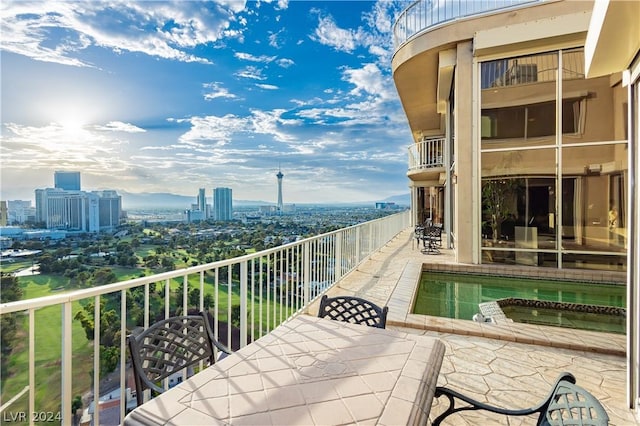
{"x":330,"y":412}
{"x":464,"y":364}
{"x":363,"y":407}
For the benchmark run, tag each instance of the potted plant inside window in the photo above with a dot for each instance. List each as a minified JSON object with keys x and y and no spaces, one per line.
{"x":498,"y":200}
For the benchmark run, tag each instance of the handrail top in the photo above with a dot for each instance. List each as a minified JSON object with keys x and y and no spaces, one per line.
{"x":445,"y":11}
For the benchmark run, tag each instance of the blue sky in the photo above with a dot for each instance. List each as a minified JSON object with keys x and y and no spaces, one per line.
{"x":149,"y":96}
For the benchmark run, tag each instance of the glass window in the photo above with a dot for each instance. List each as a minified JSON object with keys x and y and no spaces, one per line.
{"x":524,"y":163}
{"x":531,"y":121}
{"x":518,"y":102}
{"x":593,"y":199}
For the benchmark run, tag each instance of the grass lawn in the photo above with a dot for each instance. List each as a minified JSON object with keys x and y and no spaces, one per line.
{"x":10,"y":267}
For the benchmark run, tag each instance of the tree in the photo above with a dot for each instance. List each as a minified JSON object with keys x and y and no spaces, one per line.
{"x":168,"y":263}
{"x":80,"y":279}
{"x":10,"y":291}
{"x":235,"y":315}
{"x":498,"y":202}
{"x":104,"y":276}
{"x":109,"y":358}
{"x":208,"y":301}
{"x":109,"y":334}
{"x":194,"y":297}
{"x":76,"y":404}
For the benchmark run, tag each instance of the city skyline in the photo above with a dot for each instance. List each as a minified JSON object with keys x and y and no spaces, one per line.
{"x":172,"y":97}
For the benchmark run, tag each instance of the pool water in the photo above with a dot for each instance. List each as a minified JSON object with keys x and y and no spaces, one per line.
{"x":452,"y":295}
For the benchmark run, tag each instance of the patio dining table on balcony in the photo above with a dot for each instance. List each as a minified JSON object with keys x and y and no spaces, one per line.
{"x":309,"y":371}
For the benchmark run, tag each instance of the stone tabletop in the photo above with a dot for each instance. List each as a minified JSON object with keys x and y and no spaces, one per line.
{"x":309,"y":371}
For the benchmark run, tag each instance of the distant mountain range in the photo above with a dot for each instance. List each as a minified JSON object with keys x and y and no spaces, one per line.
{"x":161,"y":200}
{"x":401,"y":200}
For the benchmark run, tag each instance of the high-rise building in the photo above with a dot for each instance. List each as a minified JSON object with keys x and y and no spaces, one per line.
{"x":75,"y":210}
{"x":20,"y":211}
{"x":202,"y":200}
{"x":194,"y":215}
{"x":68,"y":210}
{"x":279,"y":175}
{"x":222,"y":204}
{"x":3,"y":213}
{"x":109,"y":209}
{"x":69,"y":181}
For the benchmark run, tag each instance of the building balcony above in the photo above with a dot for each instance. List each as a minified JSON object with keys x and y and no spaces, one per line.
{"x":426,"y":14}
{"x":426,"y":159}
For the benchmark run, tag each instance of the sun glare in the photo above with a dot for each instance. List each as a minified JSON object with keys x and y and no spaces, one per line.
{"x":71,"y":125}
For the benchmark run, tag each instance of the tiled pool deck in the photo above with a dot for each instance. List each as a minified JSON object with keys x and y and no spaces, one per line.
{"x":510,"y":365}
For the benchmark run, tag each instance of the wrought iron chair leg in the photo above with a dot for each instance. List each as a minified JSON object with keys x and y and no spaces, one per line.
{"x":477,"y":405}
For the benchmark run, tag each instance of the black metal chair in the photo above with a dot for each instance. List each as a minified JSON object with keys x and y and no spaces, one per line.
{"x":168,"y":347}
{"x":437,"y":234}
{"x":566,"y":404}
{"x":432,"y":239}
{"x":354,"y":310}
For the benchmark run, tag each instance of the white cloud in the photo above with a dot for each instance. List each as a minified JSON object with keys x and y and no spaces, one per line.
{"x":217,"y":91}
{"x":269,"y":123}
{"x":374,"y":35}
{"x":282,"y":62}
{"x":29,"y":28}
{"x":267,"y":86}
{"x":253,"y":58}
{"x":328,"y":33}
{"x":212,"y":130}
{"x":369,"y":79}
{"x":285,"y":62}
{"x":251,"y":72}
{"x":118,"y":126}
{"x":53,"y":145}
{"x":274,"y":39}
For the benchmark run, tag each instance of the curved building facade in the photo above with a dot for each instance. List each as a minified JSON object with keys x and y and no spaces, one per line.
{"x":524,"y":116}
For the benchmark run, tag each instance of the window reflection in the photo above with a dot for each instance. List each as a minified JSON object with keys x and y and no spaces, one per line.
{"x":525,"y":164}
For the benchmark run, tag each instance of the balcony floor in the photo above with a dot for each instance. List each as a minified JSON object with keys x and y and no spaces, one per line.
{"x":511,"y":365}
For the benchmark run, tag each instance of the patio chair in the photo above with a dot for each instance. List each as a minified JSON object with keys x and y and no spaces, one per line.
{"x":566,"y":404}
{"x":432,"y":239}
{"x":354,"y":310}
{"x":437,"y":234}
{"x":168,"y":347}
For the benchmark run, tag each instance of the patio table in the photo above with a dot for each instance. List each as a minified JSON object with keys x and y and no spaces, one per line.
{"x":309,"y":371}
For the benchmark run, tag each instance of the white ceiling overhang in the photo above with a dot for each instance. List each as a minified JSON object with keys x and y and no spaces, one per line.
{"x":613,"y":39}
{"x":559,"y":31}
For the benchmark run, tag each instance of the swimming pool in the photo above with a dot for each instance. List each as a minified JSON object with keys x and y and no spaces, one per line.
{"x":458,"y":296}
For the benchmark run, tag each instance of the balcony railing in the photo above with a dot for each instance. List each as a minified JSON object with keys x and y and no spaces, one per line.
{"x":256,"y":292}
{"x":424,"y":14}
{"x":426,"y":154}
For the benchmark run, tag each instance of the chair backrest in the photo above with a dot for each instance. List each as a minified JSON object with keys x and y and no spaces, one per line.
{"x":434,"y":232}
{"x":168,"y":347}
{"x":354,"y":310}
{"x":571,"y":404}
